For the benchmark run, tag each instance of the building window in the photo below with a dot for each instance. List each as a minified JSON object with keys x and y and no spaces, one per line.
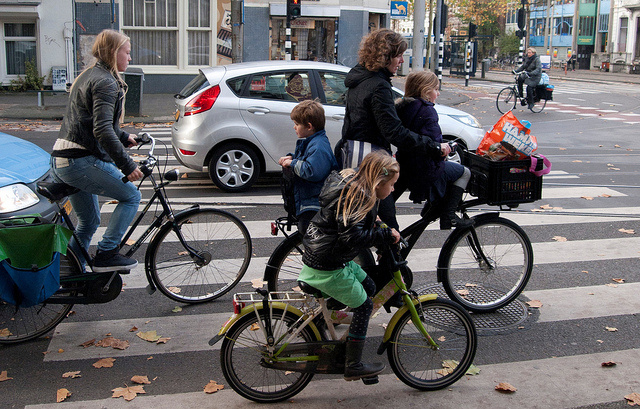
{"x":622,"y":38}
{"x":603,"y":26}
{"x":153,"y":25}
{"x":20,"y":46}
{"x":537,"y":26}
{"x":586,"y":26}
{"x":562,"y":25}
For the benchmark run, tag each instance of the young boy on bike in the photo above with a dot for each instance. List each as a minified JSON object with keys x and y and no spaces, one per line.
{"x":344,"y":226}
{"x":311,"y":162}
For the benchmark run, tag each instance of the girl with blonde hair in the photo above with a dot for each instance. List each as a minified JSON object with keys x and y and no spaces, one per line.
{"x":345,"y":225}
{"x":90,"y":154}
{"x":429,"y":177}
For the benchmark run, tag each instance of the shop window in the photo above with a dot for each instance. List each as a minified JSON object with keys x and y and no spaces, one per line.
{"x":20,"y":46}
{"x":335,"y":91}
{"x":283,"y":86}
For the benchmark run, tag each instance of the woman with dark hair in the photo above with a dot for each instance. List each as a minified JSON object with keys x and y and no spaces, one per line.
{"x":90,"y":154}
{"x":371,"y":121}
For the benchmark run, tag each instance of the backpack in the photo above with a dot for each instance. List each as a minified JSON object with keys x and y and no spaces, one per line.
{"x":288,"y":197}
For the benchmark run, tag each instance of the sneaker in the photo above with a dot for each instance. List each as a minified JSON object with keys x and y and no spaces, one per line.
{"x":523,"y":102}
{"x":112,"y":260}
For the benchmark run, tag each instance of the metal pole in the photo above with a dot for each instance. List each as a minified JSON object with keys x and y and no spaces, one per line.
{"x":418,"y":34}
{"x":468,"y":64}
{"x":287,"y":42}
{"x":237,"y":29}
{"x":440,"y":58}
{"x":437,"y":29}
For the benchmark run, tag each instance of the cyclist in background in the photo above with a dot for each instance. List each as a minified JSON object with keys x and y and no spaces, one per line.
{"x":530,"y":74}
{"x":90,"y":155}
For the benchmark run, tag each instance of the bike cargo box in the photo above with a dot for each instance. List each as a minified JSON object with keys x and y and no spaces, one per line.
{"x":545,"y":91}
{"x":502,"y":182}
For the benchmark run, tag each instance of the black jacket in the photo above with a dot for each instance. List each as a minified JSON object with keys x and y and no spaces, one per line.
{"x":533,"y":67}
{"x":93,"y":116}
{"x":371,"y":115}
{"x":328,"y":243}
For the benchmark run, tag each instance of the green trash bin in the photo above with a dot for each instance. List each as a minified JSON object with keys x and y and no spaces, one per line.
{"x":134,"y":77}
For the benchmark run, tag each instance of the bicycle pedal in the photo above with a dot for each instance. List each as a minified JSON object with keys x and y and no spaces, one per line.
{"x":124,"y":272}
{"x":372,"y":380}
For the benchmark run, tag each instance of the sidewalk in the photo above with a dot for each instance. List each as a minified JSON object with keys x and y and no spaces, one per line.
{"x":160,"y":107}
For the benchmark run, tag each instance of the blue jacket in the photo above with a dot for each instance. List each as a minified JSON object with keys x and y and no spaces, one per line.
{"x":312,"y":162}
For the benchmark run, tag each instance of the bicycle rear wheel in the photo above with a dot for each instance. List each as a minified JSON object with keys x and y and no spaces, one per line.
{"x":222,"y":247}
{"x":539,"y":106}
{"x":489,"y":270}
{"x":428,"y":368}
{"x":18,"y":324}
{"x":284,"y":265}
{"x":243,"y":359}
{"x":506,"y":100}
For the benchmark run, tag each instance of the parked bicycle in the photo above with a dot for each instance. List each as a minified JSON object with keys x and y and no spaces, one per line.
{"x":483,"y":268}
{"x":195,"y":255}
{"x":272,"y":348}
{"x":509,"y":96}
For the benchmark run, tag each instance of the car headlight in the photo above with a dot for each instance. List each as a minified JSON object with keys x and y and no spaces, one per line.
{"x":467,"y":120}
{"x":16,"y":197}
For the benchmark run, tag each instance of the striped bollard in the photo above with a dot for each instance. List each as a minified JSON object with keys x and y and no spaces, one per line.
{"x":287,"y":45}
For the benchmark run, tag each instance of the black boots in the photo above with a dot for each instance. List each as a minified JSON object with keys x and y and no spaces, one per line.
{"x":449,"y":218}
{"x":112,"y":260}
{"x":354,"y":369}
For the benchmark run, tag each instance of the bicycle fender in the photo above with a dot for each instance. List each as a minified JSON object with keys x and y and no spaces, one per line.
{"x":442,"y":258}
{"x":396,"y":317}
{"x":251,"y":309}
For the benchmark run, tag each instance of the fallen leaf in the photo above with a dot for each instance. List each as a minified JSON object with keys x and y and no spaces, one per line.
{"x":254,"y":327}
{"x":616,"y":146}
{"x":463,"y":292}
{"x":60,"y":350}
{"x":612,"y":285}
{"x":88,"y":343}
{"x":175,"y":290}
{"x":150,"y":336}
{"x":633,"y":398}
{"x":176,"y":309}
{"x":140,"y":379}
{"x":4,"y":332}
{"x":133,"y":329}
{"x":163,"y":340}
{"x":564,"y":149}
{"x":534,"y":303}
{"x":62,"y":394}
{"x":618,"y":280}
{"x":586,"y":197}
{"x":113,"y":343}
{"x":576,"y":161}
{"x":72,"y":374}
{"x":128,"y":392}
{"x":470,"y":285}
{"x":610,"y":164}
{"x":614,"y":168}
{"x":585,"y":271}
{"x":213,"y":387}
{"x":473,"y":370}
{"x":605,"y":195}
{"x":628,"y":231}
{"x":505,"y":387}
{"x":608,"y":363}
{"x":599,"y":341}
{"x":559,"y":238}
{"x":4,"y":376}
{"x":611,"y":329}
{"x":104,"y":363}
{"x":258,"y":283}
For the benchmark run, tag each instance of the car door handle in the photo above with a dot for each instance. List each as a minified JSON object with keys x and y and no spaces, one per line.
{"x":338,"y":117}
{"x":258,"y":110}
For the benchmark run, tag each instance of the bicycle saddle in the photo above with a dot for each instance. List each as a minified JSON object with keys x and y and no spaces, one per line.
{"x":56,"y":191}
{"x":332,"y":303}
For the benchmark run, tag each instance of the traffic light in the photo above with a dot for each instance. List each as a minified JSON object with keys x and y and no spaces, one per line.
{"x":521,"y":19}
{"x":473,"y":30}
{"x":443,"y":17}
{"x":520,"y":33}
{"x":293,"y":9}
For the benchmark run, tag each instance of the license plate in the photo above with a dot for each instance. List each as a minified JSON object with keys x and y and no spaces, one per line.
{"x":67,"y":206}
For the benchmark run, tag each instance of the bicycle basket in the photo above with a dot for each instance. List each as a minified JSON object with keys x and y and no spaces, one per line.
{"x":30,"y":259}
{"x":502,"y":182}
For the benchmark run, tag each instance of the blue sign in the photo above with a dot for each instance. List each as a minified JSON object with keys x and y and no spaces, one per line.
{"x":399,"y":9}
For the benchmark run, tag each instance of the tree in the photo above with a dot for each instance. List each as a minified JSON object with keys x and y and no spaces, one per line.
{"x":509,"y":45}
{"x":484,"y":13}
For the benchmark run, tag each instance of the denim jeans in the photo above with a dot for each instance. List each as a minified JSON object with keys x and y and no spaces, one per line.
{"x":95,"y":177}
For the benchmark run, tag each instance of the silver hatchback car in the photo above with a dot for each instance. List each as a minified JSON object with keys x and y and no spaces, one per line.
{"x":234,"y":119}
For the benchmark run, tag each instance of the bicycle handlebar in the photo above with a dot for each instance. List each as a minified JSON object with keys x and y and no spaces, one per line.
{"x":144,"y":139}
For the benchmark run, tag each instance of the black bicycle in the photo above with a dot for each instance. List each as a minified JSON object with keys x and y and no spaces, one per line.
{"x":195,"y":255}
{"x":509,"y":96}
{"x":483,"y":267}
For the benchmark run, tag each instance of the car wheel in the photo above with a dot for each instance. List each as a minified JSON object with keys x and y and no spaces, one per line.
{"x":234,"y":167}
{"x":455,"y":155}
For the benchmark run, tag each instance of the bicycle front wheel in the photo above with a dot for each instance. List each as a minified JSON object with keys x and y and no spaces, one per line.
{"x":506,"y":100}
{"x":18,"y":324}
{"x":216,"y":256}
{"x":244,"y":357}
{"x":426,"y":367}
{"x":487,"y":266}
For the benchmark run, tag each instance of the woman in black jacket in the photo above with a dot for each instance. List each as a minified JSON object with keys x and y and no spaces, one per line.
{"x":90,"y":155}
{"x":371,"y":122}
